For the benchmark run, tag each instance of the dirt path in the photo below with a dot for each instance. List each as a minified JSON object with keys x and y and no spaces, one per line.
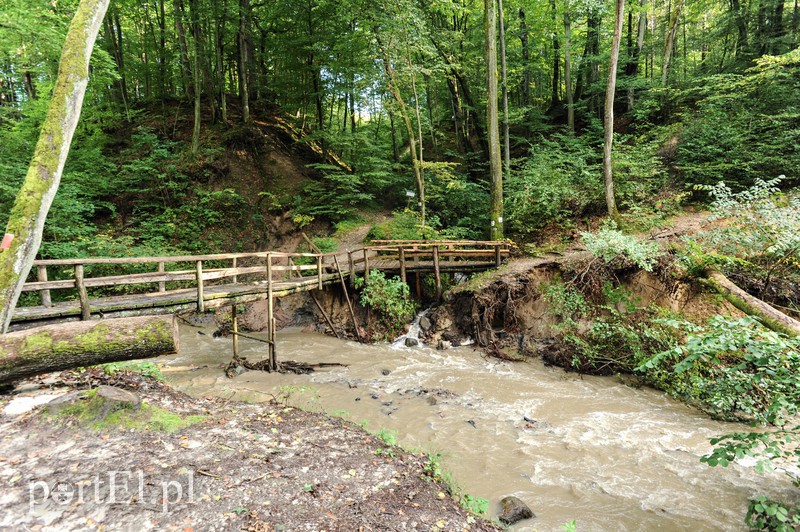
{"x":259,"y":467}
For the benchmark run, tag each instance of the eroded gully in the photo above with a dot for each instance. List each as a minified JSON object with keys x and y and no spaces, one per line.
{"x":592,"y":449}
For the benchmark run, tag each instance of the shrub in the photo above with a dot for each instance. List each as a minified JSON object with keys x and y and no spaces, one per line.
{"x":390,"y":297}
{"x":609,"y":243}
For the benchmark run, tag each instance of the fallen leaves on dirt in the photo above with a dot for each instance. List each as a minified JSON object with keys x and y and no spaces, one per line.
{"x":257,"y":467}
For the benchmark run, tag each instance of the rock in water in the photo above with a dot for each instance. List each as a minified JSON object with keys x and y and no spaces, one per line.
{"x":412,"y":342}
{"x":444,"y":345}
{"x":514,"y":510}
{"x":425,"y":323}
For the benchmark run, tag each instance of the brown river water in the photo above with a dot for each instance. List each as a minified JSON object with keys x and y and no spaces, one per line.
{"x":608,"y":455}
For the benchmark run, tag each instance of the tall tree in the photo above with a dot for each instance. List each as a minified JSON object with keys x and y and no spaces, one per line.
{"x":492,"y":125}
{"x":30,"y":209}
{"x":608,"y":177}
{"x":568,"y":68}
{"x":504,"y":80}
{"x":669,"y":41}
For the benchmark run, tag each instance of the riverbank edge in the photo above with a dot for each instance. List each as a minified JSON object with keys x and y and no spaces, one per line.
{"x":250,"y":466}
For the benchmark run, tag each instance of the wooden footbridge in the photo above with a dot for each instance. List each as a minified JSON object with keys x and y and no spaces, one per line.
{"x":119,"y":287}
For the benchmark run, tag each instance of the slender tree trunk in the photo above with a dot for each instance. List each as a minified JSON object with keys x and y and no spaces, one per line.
{"x":669,"y":43}
{"x":526,"y":59}
{"x":504,"y":81}
{"x":608,"y":177}
{"x":33,"y":201}
{"x":196,"y":75}
{"x":244,"y":59}
{"x":568,"y":69}
{"x":740,"y":17}
{"x":555,"y":101}
{"x":394,"y":89}
{"x":30,"y":87}
{"x":495,"y":160}
{"x":635,"y":56}
{"x":188,"y":83}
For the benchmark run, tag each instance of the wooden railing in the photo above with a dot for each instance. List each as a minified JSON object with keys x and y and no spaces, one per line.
{"x":258,"y":265}
{"x":396,"y":255}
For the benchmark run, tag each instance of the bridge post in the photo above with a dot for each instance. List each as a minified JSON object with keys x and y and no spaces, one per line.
{"x":86,"y":312}
{"x":201,"y":306}
{"x":403,"y":264}
{"x":41,"y":276}
{"x":352,"y":266}
{"x":235,"y":327}
{"x":319,"y":272}
{"x":162,"y":286}
{"x":273,"y":363}
{"x":234,"y":264}
{"x":366,"y":266}
{"x":436,"y":273}
{"x":497,"y":255}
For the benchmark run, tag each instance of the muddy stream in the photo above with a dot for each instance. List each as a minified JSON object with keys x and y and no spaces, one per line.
{"x":592,"y":449}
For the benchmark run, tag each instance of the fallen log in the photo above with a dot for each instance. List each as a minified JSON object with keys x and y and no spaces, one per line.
{"x":86,"y":343}
{"x":751,"y":305}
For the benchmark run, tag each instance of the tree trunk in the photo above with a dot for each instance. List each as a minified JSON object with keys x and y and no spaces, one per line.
{"x":33,"y":201}
{"x":86,"y":343}
{"x":244,"y":59}
{"x":608,"y":177}
{"x":504,"y":81}
{"x":495,"y":161}
{"x":669,"y":43}
{"x":184,"y":49}
{"x":769,"y":316}
{"x":526,"y":58}
{"x":568,"y":70}
{"x":633,"y":62}
{"x":555,"y":101}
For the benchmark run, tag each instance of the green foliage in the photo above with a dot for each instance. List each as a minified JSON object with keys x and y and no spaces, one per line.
{"x":766,"y":514}
{"x":747,"y":371}
{"x":146,"y":369}
{"x":762,"y":224}
{"x":387,"y":436}
{"x":336,"y":197}
{"x":390,"y":297}
{"x":558,"y":181}
{"x":746,"y":126}
{"x":403,"y":225}
{"x":609,"y":244}
{"x":741,"y":370}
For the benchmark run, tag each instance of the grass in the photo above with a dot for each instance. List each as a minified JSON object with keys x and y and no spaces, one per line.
{"x":95,"y":413}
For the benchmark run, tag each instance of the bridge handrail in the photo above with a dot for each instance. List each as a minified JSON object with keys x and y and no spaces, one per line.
{"x":401,"y":250}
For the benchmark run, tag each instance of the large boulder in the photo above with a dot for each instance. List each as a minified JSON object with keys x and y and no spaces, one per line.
{"x":514,"y":510}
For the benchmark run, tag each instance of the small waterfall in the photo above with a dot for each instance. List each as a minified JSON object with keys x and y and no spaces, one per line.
{"x":412,"y":336}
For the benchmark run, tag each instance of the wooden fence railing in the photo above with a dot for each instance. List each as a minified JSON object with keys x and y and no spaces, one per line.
{"x":395,"y":255}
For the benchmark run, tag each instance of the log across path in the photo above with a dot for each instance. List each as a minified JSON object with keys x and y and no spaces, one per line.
{"x":92,"y":288}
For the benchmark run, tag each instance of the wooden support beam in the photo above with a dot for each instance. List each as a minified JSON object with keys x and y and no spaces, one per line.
{"x":86,"y":312}
{"x":436,"y":273}
{"x":402,"y":264}
{"x":325,"y":315}
{"x":199,"y":276}
{"x":366,"y":266}
{"x":497,"y":255}
{"x":235,"y":327}
{"x":162,"y":286}
{"x":234,"y":264}
{"x":356,"y":328}
{"x":273,"y":365}
{"x":41,"y":276}
{"x":319,"y":272}
{"x":352,"y":268}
